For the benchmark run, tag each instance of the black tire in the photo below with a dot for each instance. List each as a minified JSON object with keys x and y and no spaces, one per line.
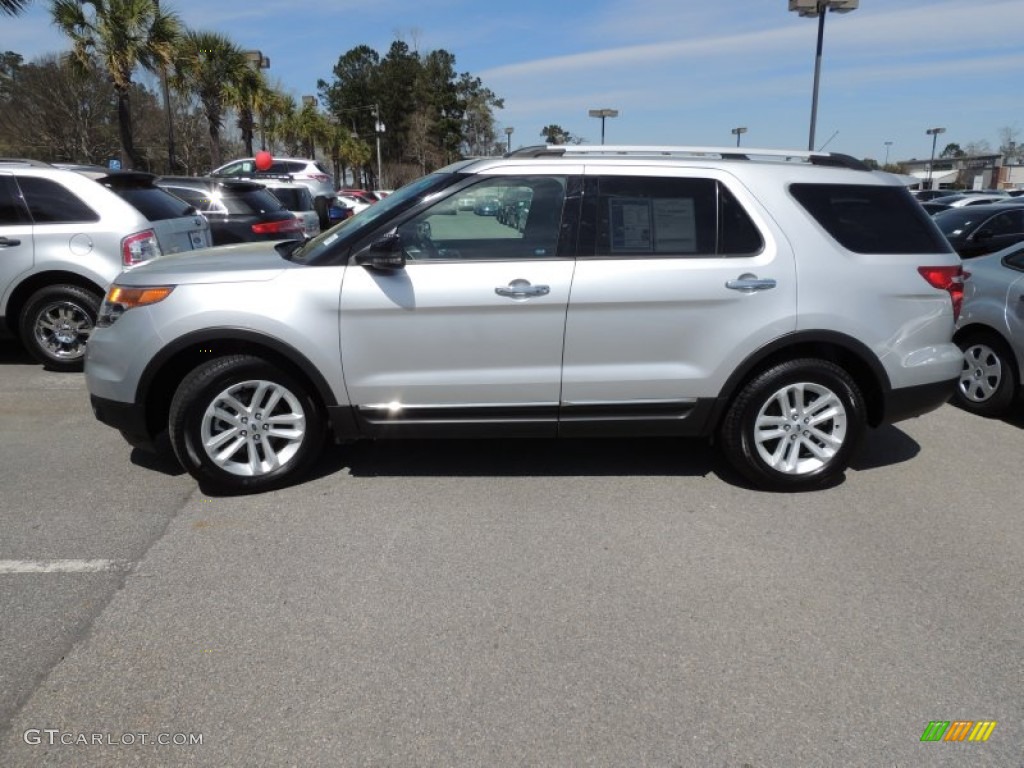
{"x":989,"y":379}
{"x":56,"y":323}
{"x":322,"y":207}
{"x":253,"y":460}
{"x":758,"y":427}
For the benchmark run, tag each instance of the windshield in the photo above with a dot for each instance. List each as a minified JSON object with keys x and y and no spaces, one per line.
{"x":326,"y":244}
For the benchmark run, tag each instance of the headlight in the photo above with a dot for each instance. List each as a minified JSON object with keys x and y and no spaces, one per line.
{"x":120,"y":299}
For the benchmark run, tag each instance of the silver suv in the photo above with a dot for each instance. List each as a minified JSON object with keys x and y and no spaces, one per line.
{"x":64,"y":237}
{"x":780,"y":302}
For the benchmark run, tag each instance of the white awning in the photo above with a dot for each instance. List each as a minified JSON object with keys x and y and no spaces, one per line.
{"x":938,"y":177}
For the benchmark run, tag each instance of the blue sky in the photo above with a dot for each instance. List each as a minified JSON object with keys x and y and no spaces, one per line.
{"x":678,"y":71}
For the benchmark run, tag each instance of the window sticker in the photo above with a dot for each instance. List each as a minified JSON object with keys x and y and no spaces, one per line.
{"x":675,"y":225}
{"x":653,"y":225}
{"x":630,"y":219}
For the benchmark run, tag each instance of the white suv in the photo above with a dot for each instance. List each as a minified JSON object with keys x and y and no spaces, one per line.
{"x":780,"y":302}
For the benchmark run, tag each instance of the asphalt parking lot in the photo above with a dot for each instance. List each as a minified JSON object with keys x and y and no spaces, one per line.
{"x":601,"y":603}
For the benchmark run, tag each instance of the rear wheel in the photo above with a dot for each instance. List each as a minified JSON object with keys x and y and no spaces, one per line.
{"x":240,"y":424}
{"x":988,"y":380}
{"x":56,"y":324}
{"x":795,"y":426}
{"x":322,"y":206}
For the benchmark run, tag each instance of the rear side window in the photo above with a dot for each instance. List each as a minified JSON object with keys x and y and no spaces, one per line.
{"x":658,"y":216}
{"x":252,"y":201}
{"x":200,"y":199}
{"x":12,"y":211}
{"x":293,"y":199}
{"x":871,"y":219}
{"x":52,"y":203}
{"x":153,"y":203}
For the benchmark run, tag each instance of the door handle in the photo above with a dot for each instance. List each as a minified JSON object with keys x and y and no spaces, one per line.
{"x":6,"y":242}
{"x":749,"y":283}
{"x":521,"y":289}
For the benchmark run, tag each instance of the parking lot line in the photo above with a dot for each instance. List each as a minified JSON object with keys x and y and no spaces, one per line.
{"x":62,"y":566}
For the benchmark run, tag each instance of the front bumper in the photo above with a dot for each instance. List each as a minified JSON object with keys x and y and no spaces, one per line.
{"x":128,"y":418}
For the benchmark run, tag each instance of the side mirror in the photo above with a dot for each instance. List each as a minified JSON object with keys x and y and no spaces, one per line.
{"x":385,"y":254}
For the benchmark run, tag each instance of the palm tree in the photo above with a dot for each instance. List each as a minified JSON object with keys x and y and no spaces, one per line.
{"x":119,"y":35}
{"x":212,"y":67}
{"x":12,"y":7}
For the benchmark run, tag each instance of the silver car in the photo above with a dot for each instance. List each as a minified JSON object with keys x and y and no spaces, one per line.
{"x":65,"y":236}
{"x":780,"y":302}
{"x":991,"y":332}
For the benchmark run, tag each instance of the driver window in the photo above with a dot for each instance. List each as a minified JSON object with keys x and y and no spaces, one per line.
{"x":501,"y":218}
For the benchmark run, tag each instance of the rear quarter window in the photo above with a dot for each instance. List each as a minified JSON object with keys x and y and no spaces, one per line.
{"x":871,"y":219}
{"x":53,"y":203}
{"x":154,"y":203}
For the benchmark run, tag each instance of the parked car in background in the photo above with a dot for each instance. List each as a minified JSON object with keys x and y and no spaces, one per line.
{"x":238,"y":211}
{"x":487,"y":206}
{"x":65,"y":235}
{"x":933,"y":208}
{"x":310,"y":173}
{"x":297,"y":199}
{"x":970,"y":198}
{"x":975,"y":230}
{"x":360,"y":194}
{"x":353,"y":203}
{"x":990,"y":332}
{"x":925,"y":195}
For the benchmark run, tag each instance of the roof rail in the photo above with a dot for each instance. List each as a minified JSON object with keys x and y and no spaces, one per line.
{"x":24,"y":161}
{"x":723,"y":153}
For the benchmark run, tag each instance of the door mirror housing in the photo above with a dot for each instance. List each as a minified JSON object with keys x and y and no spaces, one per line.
{"x":384,"y":253}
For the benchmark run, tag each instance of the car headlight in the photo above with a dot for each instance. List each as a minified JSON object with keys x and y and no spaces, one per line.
{"x":120,"y":299}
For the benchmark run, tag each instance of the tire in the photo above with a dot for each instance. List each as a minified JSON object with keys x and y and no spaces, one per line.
{"x":988,"y":382}
{"x":758,"y":436}
{"x":322,"y":207}
{"x":56,"y":323}
{"x":213,"y":407}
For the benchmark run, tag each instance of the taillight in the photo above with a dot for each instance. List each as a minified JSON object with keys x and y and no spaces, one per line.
{"x":949,"y":279}
{"x":321,"y":177}
{"x":277,"y":227}
{"x":139,"y":247}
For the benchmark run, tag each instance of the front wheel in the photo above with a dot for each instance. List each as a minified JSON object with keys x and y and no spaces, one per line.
{"x":239,"y":424}
{"x":795,"y":426}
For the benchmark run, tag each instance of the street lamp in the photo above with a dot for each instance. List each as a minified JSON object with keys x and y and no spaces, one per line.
{"x":934,"y":133}
{"x":508,"y":139}
{"x":603,"y":113}
{"x":887,"y":145}
{"x":378,"y":129}
{"x":737,"y":132}
{"x":257,"y":61}
{"x":810,"y":9}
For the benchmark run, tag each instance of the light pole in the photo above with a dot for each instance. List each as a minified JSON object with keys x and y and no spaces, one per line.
{"x":887,"y":145}
{"x":508,"y":139}
{"x":257,"y":61}
{"x":379,"y":128}
{"x":603,"y":113}
{"x":818,"y":8}
{"x":934,"y":133}
{"x":737,"y":132}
